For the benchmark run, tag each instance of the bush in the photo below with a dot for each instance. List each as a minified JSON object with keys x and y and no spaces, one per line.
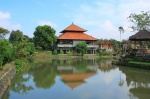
{"x":54,"y":52}
{"x":49,"y":52}
{"x":30,"y":48}
{"x":104,"y":53}
{"x":19,"y":64}
{"x":69,"y":53}
{"x":6,"y":52}
{"x":61,"y":52}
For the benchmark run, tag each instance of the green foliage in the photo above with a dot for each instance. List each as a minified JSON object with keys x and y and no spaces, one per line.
{"x":121,"y":29}
{"x":30,"y":48}
{"x":6,"y":52}
{"x":49,"y":52}
{"x":54,"y":52}
{"x":44,"y":36}
{"x":115,"y":43}
{"x":141,"y":21}
{"x":3,"y":32}
{"x":16,"y":36}
{"x":23,"y":49}
{"x":81,"y":66}
{"x":143,"y":65}
{"x":61,"y":52}
{"x":81,"y":48}
{"x":19,"y":64}
{"x":69,"y":53}
{"x":44,"y":74}
{"x":104,"y":53}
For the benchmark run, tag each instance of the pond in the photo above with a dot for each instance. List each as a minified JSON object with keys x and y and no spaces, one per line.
{"x":79,"y":79}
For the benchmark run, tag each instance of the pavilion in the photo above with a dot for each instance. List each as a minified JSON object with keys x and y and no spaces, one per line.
{"x":73,"y":35}
{"x":141,"y":40}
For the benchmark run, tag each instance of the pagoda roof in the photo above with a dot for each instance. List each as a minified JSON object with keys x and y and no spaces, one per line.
{"x":76,"y":77}
{"x":74,"y":80}
{"x":74,"y":28}
{"x":75,"y":36}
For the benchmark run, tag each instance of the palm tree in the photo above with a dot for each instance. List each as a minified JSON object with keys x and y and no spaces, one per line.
{"x":121,"y":31}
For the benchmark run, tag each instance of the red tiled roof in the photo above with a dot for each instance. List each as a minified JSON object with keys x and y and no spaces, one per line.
{"x":73,"y":27}
{"x":75,"y":36}
{"x":76,"y":77}
{"x":105,"y":42}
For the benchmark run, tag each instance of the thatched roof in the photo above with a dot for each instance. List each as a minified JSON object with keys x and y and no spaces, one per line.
{"x":142,"y":35}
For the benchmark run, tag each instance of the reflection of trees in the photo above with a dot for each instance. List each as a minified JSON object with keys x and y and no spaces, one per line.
{"x":44,"y":75}
{"x":81,"y":65}
{"x":105,"y":65}
{"x":76,"y":66}
{"x":19,"y":85}
{"x":121,"y":82}
{"x":139,"y":81}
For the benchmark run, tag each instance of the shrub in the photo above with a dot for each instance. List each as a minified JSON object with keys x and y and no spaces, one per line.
{"x":49,"y":52}
{"x":61,"y":52}
{"x":104,"y":53}
{"x":69,"y":53}
{"x":6,"y":52}
{"x":19,"y":64}
{"x":54,"y":52}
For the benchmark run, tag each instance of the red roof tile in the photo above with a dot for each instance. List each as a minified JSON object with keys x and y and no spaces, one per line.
{"x":73,"y":27}
{"x":75,"y":36}
{"x":105,"y":42}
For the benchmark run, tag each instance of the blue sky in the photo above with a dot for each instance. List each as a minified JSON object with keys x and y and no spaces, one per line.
{"x":100,"y":17}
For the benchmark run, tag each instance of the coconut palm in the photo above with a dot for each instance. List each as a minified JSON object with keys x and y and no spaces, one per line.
{"x":121,"y":31}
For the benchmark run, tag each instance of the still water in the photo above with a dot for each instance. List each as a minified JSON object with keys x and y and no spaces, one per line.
{"x":79,"y":79}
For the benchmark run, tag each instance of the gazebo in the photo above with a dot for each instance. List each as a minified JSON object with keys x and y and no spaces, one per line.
{"x":140,"y":40}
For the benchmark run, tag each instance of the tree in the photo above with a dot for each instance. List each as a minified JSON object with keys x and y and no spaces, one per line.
{"x":121,"y":31}
{"x":3,"y":32}
{"x":23,"y":49}
{"x":44,"y":36}
{"x":15,"y":36}
{"x":81,"y":48}
{"x":6,"y":52}
{"x":141,"y":21}
{"x":115,"y":43}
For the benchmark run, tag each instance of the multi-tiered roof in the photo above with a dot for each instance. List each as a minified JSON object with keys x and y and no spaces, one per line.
{"x":74,"y":32}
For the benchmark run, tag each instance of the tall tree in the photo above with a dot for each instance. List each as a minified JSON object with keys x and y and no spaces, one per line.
{"x":3,"y":32}
{"x":44,"y":36}
{"x":121,"y":31}
{"x":15,"y":36}
{"x":81,"y":48}
{"x":141,"y":21}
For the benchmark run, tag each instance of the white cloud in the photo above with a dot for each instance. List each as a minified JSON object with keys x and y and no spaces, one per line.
{"x":43,"y":22}
{"x":104,"y":17}
{"x":5,"y":23}
{"x":4,"y":15}
{"x":9,"y":25}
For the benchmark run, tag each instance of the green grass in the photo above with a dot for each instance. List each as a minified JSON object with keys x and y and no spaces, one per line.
{"x":143,"y":65}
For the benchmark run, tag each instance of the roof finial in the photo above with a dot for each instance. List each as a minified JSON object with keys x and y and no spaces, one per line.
{"x":72,"y":22}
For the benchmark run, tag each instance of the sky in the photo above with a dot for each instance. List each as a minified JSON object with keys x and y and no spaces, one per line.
{"x":101,"y":18}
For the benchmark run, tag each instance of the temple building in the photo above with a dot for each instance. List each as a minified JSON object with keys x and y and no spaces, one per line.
{"x":71,"y":36}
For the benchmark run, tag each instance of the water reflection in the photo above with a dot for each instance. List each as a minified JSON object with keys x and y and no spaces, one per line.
{"x":74,"y":74}
{"x":139,"y":82}
{"x":80,"y":78}
{"x":43,"y":75}
{"x":105,"y":65}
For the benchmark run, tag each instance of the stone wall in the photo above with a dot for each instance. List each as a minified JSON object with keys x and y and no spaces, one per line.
{"x":5,"y":79}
